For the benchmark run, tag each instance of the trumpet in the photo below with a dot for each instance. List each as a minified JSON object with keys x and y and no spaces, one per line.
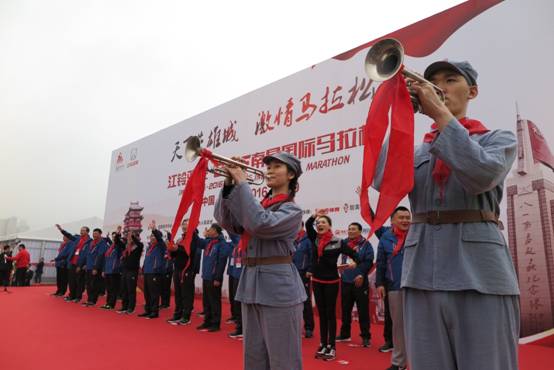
{"x":384,"y":60}
{"x":193,"y":150}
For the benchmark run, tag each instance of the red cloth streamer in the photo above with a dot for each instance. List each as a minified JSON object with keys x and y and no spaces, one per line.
{"x":441,"y":172}
{"x":266,"y":202}
{"x":398,"y":177}
{"x":193,"y":194}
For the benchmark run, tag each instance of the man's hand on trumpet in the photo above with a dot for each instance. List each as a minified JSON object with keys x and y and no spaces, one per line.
{"x":431,"y":103}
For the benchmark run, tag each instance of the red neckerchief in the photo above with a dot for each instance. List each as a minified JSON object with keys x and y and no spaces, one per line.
{"x":441,"y":172}
{"x":110,"y":250}
{"x":93,"y":245}
{"x":128,"y":248}
{"x":62,"y":246}
{"x":81,"y":243}
{"x":353,"y":243}
{"x":209,"y":247}
{"x":300,"y":235}
{"x":151,"y":247}
{"x":266,"y":203}
{"x":322,"y":241}
{"x":400,"y":239}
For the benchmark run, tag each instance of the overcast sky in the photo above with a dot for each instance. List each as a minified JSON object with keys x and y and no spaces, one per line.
{"x":79,"y":79}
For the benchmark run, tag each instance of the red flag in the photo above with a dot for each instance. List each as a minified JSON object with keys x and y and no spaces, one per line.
{"x":541,"y":152}
{"x":193,"y":194}
{"x":398,"y":176}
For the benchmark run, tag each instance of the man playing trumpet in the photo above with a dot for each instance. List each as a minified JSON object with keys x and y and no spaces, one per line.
{"x":461,"y":307}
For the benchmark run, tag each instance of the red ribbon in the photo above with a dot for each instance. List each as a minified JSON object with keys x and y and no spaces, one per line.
{"x":322,"y":241}
{"x":193,"y":194}
{"x":398,"y":177}
{"x":400,"y":239}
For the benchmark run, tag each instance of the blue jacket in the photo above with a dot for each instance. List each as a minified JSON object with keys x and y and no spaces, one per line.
{"x":154,"y":261}
{"x":81,"y":258}
{"x":302,"y":257}
{"x":214,"y":259}
{"x":112,"y":262}
{"x":62,"y":258}
{"x":389,"y":267}
{"x":365,"y":254}
{"x":234,"y":267}
{"x":95,"y":255}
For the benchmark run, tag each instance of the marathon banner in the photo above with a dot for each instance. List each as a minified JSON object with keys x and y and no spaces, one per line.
{"x":318,"y":114}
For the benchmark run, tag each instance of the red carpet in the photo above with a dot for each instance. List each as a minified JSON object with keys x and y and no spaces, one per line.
{"x":45,"y":333}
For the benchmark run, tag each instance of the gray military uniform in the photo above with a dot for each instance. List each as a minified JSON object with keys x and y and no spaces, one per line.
{"x":461,"y":307}
{"x":272,"y":296}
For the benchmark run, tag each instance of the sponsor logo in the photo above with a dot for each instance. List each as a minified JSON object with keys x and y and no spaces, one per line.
{"x":119,"y":162}
{"x":133,"y":158}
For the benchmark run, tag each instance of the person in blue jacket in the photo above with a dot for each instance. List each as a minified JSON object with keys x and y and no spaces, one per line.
{"x":93,"y":262}
{"x":153,"y":269}
{"x":213,"y":267}
{"x":112,"y":269}
{"x":302,"y":259}
{"x":75,"y":253}
{"x":61,"y":265}
{"x":355,"y":285}
{"x":234,"y":269}
{"x":390,"y":256}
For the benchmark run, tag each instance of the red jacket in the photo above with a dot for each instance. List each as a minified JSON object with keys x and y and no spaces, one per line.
{"x":22,"y":259}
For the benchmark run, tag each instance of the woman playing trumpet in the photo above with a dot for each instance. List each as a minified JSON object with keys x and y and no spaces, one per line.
{"x":270,"y":289}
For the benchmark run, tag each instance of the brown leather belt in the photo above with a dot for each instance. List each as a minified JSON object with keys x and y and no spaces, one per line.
{"x":276,"y":260}
{"x":454,"y":217}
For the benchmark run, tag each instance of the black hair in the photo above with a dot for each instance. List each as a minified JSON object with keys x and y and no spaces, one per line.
{"x":99,"y":230}
{"x":327,"y":218}
{"x":6,"y":247}
{"x":357,"y":224}
{"x":217,"y":228}
{"x":399,"y":209}
{"x":293,"y":184}
{"x":87,"y":229}
{"x":22,"y":245}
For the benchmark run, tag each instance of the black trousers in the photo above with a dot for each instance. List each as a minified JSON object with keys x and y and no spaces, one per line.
{"x":76,"y":283}
{"x":61,"y":280}
{"x":387,"y":330}
{"x":183,"y":284}
{"x":5,"y":278}
{"x":152,"y":289}
{"x":351,"y":295}
{"x":93,"y":286}
{"x":113,"y":282}
{"x":166,"y":288}
{"x":129,"y":290}
{"x":211,"y":298}
{"x":308,"y":311}
{"x":236,"y":311}
{"x":20,"y":275}
{"x":326,"y":302}
{"x":38,"y":277}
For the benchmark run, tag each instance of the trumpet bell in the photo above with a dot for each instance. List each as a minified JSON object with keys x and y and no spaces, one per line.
{"x":192,"y":148}
{"x":384,"y":59}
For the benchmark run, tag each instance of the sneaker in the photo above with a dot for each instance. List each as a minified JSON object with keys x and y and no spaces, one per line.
{"x":309,"y":334}
{"x":230,"y":320}
{"x":201,"y":314}
{"x":330,"y":353}
{"x":76,"y":300}
{"x":121,"y":311}
{"x":320,"y":351}
{"x":67,"y":299}
{"x":203,"y":327}
{"x":387,"y":347}
{"x":343,"y":338}
{"x":366,"y":343}
{"x":144,"y":314}
{"x":86,"y":304}
{"x":236,"y":334}
{"x":213,"y":329}
{"x":173,"y":320}
{"x":106,"y":307}
{"x":183,"y":321}
{"x":153,"y":315}
{"x":130,"y":312}
{"x":164,"y":307}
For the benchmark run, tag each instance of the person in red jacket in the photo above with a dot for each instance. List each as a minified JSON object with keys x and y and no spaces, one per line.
{"x":22,"y":260}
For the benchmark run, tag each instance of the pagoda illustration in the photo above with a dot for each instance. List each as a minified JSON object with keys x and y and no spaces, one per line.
{"x":530,"y":196}
{"x":133,"y":218}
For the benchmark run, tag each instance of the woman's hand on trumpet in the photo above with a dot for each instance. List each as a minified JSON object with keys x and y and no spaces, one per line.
{"x":236,"y":173}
